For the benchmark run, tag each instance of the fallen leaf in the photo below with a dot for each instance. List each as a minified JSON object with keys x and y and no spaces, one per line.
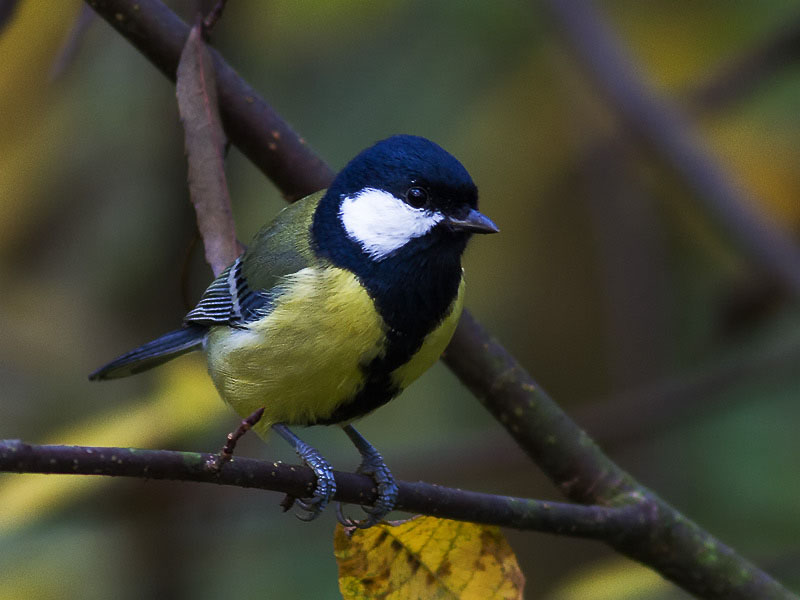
{"x":427,"y":558}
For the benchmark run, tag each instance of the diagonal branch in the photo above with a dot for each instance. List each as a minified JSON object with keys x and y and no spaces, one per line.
{"x":595,"y":522}
{"x":669,"y":543}
{"x":670,"y":133}
{"x":749,"y":71}
{"x":666,"y":540}
{"x":251,"y":124}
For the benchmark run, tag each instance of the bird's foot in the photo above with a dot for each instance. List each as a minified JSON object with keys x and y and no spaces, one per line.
{"x":326,"y":484}
{"x":373,"y":466}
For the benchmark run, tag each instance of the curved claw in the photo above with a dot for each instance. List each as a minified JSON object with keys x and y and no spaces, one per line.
{"x":307,"y":516}
{"x":342,"y":518}
{"x":309,"y":505}
{"x":387,"y":491}
{"x":323,"y":491}
{"x":349,"y":523}
{"x":363,"y":523}
{"x":309,"y":510}
{"x":326,"y":484}
{"x":372,"y":465}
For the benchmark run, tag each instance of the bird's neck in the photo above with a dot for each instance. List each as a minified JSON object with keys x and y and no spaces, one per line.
{"x":413,"y":288}
{"x":415,"y":292}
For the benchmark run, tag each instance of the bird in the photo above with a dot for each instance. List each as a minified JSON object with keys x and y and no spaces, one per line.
{"x":337,"y":305}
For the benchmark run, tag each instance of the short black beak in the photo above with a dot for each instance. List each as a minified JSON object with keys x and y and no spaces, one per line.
{"x":474,"y":222}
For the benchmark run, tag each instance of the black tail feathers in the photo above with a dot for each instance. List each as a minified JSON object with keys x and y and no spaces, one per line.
{"x":154,"y":353}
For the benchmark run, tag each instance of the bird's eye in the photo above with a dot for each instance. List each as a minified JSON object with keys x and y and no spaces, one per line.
{"x":417,"y":196}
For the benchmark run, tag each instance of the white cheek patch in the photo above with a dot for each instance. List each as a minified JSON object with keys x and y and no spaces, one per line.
{"x":382,"y":223}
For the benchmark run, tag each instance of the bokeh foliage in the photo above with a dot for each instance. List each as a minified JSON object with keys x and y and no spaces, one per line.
{"x":607,"y":278}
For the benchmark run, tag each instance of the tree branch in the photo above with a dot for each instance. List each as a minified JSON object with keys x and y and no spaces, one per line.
{"x":671,"y":135}
{"x":595,"y":522}
{"x":750,"y":70}
{"x":666,"y":540}
{"x":670,"y":543}
{"x":251,"y":124}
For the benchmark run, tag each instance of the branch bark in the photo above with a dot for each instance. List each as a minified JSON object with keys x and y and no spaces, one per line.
{"x":594,"y":522}
{"x":666,"y":540}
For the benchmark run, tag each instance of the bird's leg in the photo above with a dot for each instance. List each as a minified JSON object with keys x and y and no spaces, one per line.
{"x":373,"y":466}
{"x":326,"y":484}
{"x":226,"y":453}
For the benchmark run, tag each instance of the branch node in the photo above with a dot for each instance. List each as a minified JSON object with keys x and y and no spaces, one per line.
{"x":226,"y":454}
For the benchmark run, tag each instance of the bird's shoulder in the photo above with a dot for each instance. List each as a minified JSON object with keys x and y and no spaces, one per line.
{"x":283,"y":246}
{"x":245,"y":291}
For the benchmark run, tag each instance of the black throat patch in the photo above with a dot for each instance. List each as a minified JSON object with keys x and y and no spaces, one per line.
{"x":413,"y":290}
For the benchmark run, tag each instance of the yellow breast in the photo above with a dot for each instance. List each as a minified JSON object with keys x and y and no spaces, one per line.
{"x":306,"y":357}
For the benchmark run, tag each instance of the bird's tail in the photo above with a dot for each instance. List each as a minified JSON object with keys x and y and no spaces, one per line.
{"x":160,"y":350}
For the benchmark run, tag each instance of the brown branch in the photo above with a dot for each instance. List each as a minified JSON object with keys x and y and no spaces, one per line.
{"x":667,"y":541}
{"x":670,"y":133}
{"x":226,"y":454}
{"x":251,"y":124}
{"x":749,"y":71}
{"x":595,"y":522}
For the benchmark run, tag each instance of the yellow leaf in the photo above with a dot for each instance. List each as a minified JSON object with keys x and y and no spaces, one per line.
{"x":427,"y":558}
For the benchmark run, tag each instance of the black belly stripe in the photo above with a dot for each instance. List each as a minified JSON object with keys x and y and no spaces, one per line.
{"x":379,"y":388}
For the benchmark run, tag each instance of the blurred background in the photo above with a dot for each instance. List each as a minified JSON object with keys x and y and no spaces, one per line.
{"x":611,"y":281}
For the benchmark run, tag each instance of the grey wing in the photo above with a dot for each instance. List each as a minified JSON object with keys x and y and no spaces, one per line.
{"x":230,"y":301}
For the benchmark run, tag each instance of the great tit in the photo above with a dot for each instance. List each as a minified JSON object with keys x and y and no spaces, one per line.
{"x":348,"y":296}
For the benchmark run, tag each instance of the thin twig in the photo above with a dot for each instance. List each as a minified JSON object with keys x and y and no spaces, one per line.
{"x":642,"y":412}
{"x":226,"y":454}
{"x":213,"y":16}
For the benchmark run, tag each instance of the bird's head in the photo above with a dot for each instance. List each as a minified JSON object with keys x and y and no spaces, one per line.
{"x":404,"y":195}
